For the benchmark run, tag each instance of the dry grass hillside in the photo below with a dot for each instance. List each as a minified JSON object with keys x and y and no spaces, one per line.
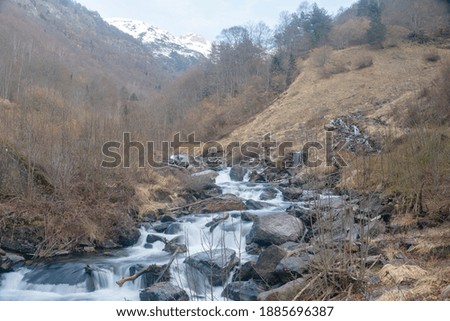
{"x":399,"y":97}
{"x":378,"y":83}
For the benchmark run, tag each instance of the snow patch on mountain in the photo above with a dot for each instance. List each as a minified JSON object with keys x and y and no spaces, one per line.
{"x":162,"y":42}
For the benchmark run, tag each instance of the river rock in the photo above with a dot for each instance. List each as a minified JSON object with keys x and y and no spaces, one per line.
{"x":164,"y":291}
{"x":248,"y":217}
{"x":293,"y":267}
{"x":161,"y":228}
{"x":292,"y":194}
{"x":275,"y":229}
{"x":255,"y":177}
{"x":215,"y":265}
{"x":268,"y":194}
{"x":245,"y":272}
{"x":267,"y":262}
{"x":287,"y":292}
{"x":237,"y":173}
{"x":6,"y":265}
{"x":129,"y":237}
{"x":167,"y":218}
{"x":173,"y":228}
{"x":151,"y":276}
{"x":254,"y":205}
{"x":243,"y":291}
{"x":152,"y":238}
{"x":2,"y":253}
{"x":216,"y":205}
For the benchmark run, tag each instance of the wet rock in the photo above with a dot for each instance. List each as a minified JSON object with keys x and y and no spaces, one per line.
{"x":173,"y":228}
{"x":2,"y":253}
{"x":151,"y":238}
{"x":167,"y":218}
{"x":245,"y":272}
{"x":237,"y":173}
{"x":89,"y":249}
{"x":15,"y":259}
{"x":268,"y":194}
{"x":255,"y":177}
{"x":275,"y":229}
{"x":223,"y":204}
{"x":248,"y":217}
{"x":254,"y":205}
{"x":215,"y":265}
{"x":151,"y":276}
{"x":286,"y":292}
{"x":292,"y":194}
{"x":129,"y":237}
{"x":243,"y":291}
{"x":172,"y":247}
{"x":293,"y":267}
{"x":253,"y":249}
{"x":6,"y":265}
{"x":148,"y":246}
{"x":164,"y":291}
{"x":161,"y":228}
{"x":267,"y":262}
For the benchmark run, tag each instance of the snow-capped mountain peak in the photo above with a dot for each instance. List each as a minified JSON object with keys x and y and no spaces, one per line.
{"x":162,"y":42}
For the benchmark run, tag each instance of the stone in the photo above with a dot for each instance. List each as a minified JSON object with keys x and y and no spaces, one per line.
{"x":255,"y":177}
{"x":173,"y":228}
{"x":167,"y":218}
{"x":237,"y":173}
{"x":243,"y":291}
{"x":215,"y":265}
{"x":268,"y":194}
{"x":225,"y":203}
{"x":275,"y":229}
{"x":254,"y":205}
{"x":161,"y":228}
{"x":267,"y":263}
{"x":292,"y":194}
{"x":245,"y":272}
{"x":151,"y":238}
{"x":6,"y":265}
{"x":129,"y":237}
{"x":248,"y":217}
{"x":293,"y":267}
{"x":164,"y":291}
{"x":287,"y":292}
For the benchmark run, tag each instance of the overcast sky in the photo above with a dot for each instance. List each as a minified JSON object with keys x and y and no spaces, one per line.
{"x":204,"y":17}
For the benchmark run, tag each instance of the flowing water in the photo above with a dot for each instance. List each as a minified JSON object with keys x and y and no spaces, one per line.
{"x":66,"y":279}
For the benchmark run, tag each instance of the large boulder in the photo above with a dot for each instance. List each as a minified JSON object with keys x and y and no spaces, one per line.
{"x":219,"y":204}
{"x":267,"y":263}
{"x":268,"y":194}
{"x":275,"y":229}
{"x":163,"y":291}
{"x":243,"y":291}
{"x":237,"y":173}
{"x":215,"y":265}
{"x":129,"y":237}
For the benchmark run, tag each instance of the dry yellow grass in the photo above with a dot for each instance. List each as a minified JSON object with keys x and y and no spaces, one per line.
{"x":379,"y":91}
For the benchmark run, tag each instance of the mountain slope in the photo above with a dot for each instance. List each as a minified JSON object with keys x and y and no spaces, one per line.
{"x":184,"y":50}
{"x":377,"y":84}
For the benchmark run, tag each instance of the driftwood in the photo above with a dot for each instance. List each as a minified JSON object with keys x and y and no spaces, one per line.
{"x":216,"y":221}
{"x":147,"y":269}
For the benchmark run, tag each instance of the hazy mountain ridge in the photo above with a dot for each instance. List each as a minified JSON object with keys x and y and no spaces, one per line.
{"x":181,"y":51}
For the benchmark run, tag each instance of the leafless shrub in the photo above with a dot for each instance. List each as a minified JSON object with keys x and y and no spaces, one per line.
{"x":362,"y":62}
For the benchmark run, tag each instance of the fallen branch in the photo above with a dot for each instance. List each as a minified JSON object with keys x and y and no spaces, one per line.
{"x":146,"y":270}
